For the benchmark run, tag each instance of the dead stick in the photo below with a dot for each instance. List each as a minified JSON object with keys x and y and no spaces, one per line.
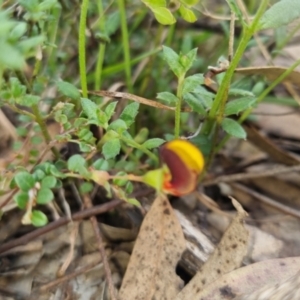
{"x":88,"y":204}
{"x":99,"y":209}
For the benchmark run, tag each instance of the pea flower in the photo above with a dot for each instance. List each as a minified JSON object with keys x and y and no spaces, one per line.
{"x":182,"y":163}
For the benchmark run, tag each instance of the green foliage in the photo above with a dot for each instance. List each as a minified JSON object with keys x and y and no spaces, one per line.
{"x":38,"y":218}
{"x":117,"y":135}
{"x":24,"y":181}
{"x":111,"y":148}
{"x":68,"y":89}
{"x":233,"y":128}
{"x":280,"y":14}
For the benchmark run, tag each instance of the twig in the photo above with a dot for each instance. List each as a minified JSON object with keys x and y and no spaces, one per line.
{"x":88,"y":204}
{"x":99,"y":209}
{"x":245,"y":176}
{"x":120,"y":95}
{"x":268,"y":201}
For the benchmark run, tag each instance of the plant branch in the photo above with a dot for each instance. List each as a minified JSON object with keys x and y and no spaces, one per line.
{"x":81,"y":46}
{"x":178,"y":107}
{"x":125,"y":44}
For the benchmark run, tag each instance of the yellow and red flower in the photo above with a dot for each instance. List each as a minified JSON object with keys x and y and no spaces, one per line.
{"x":182,"y":162}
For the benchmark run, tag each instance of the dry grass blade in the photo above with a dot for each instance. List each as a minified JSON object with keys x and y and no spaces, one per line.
{"x":151,"y":270}
{"x":271,"y":72}
{"x":226,"y":257}
{"x":249,"y":279}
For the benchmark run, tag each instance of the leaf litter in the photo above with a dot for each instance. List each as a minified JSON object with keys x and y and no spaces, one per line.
{"x":151,"y":270}
{"x":227,"y":256}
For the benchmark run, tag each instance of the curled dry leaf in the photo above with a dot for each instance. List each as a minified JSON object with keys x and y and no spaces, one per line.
{"x":271,"y":72}
{"x":226,"y":257}
{"x":151,"y":270}
{"x":253,"y":280}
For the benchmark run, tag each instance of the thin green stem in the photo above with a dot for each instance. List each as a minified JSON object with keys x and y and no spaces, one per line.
{"x":178,"y":107}
{"x":260,"y":98}
{"x":81,"y":46}
{"x":140,"y":147}
{"x":222,"y":94}
{"x":21,"y":111}
{"x":102,"y":46}
{"x":125,"y":44}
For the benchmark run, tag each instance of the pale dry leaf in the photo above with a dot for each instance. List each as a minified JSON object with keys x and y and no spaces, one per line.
{"x":290,"y":289}
{"x":227,"y":256}
{"x":269,"y":118}
{"x":249,"y":279}
{"x":271,"y":72}
{"x":151,"y":270}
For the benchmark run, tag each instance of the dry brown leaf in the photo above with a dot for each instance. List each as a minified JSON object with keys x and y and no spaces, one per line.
{"x":269,"y":147}
{"x":271,"y":72}
{"x":248,"y":279}
{"x":226,"y":257}
{"x":151,"y":270}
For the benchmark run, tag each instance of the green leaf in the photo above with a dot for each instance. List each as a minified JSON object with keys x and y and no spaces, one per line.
{"x":101,"y":164}
{"x":153,"y":143}
{"x":118,"y":126}
{"x":240,"y":92}
{"x":190,"y":83}
{"x":17,"y":89}
{"x":10,"y":57}
{"x":44,"y":196}
{"x":24,"y":181}
{"x":163,"y":15}
{"x":172,"y":59}
{"x":112,"y":23}
{"x":233,"y":128}
{"x":85,"y":135}
{"x":90,"y":109}
{"x":134,"y":202}
{"x":28,"y":44}
{"x":194,"y":103}
{"x":205,"y":97}
{"x":38,"y":175}
{"x":47,"y":4}
{"x":155,"y":3}
{"x":18,"y":31}
{"x":28,"y":100}
{"x":120,"y":181}
{"x":129,"y":113}
{"x":111,"y":148}
{"x":129,"y":188}
{"x":21,"y":199}
{"x":189,"y":2}
{"x":281,"y":13}
{"x":167,"y":97}
{"x":86,"y":187}
{"x":187,"y":14}
{"x":187,"y":60}
{"x":68,"y":90}
{"x":239,"y":105}
{"x":110,"y":109}
{"x":38,"y":218}
{"x":76,"y":162}
{"x":48,"y":182}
